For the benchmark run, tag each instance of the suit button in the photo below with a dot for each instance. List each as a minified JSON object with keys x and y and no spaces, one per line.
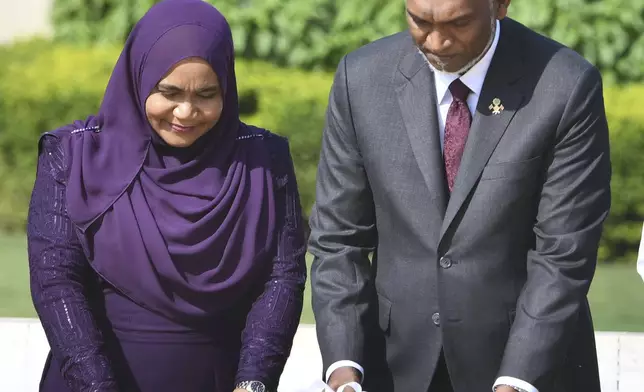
{"x":445,"y":262}
{"x":436,"y":318}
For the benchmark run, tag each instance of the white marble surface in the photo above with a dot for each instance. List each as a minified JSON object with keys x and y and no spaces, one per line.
{"x":23,"y":349}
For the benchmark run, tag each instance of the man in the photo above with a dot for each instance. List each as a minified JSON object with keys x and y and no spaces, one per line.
{"x":462,"y":188}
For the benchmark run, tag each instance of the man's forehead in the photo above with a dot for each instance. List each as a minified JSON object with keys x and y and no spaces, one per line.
{"x":443,"y":9}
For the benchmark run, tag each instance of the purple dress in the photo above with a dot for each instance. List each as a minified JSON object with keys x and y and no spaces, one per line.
{"x":103,"y":341}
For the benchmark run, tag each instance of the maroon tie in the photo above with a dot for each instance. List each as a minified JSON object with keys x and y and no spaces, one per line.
{"x":457,"y":126}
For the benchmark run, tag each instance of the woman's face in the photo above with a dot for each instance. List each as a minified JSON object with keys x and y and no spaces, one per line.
{"x":186,"y":103}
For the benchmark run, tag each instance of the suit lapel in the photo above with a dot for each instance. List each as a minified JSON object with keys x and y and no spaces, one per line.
{"x":488,"y":128}
{"x":417,"y":99}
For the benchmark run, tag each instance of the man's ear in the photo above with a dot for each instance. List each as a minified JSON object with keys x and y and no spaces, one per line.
{"x":502,"y":8}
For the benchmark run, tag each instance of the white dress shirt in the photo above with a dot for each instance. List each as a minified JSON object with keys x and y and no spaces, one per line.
{"x":473,"y":79}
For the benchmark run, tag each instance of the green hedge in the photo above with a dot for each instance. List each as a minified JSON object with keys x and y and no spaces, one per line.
{"x":317,"y":33}
{"x":298,"y":33}
{"x":625,"y":108}
{"x":607,"y":32}
{"x":42,"y":89}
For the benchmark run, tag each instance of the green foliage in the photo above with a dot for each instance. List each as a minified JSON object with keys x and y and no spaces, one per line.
{"x":41,"y":91}
{"x":624,"y":225}
{"x":303,"y":33}
{"x":308,"y":33}
{"x":607,"y":32}
{"x":44,"y":89}
{"x":97,"y":21}
{"x":315,"y":34}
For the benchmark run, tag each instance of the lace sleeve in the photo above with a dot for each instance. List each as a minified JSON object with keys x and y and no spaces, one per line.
{"x":274,"y":317}
{"x":60,"y":279}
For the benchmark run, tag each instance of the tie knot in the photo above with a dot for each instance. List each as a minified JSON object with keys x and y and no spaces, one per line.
{"x":459,"y":90}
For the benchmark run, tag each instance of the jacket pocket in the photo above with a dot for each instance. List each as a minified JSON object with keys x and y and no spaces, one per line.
{"x":511,"y":170}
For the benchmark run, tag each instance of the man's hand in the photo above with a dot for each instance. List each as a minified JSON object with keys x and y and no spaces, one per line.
{"x":344,"y":375}
{"x":504,"y":388}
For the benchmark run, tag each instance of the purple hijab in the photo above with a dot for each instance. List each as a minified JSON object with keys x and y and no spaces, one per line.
{"x":181,"y":231}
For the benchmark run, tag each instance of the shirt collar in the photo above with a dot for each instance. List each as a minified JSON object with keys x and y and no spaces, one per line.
{"x":473,"y":78}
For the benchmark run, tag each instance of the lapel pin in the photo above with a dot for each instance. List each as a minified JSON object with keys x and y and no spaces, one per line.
{"x":496,"y":106}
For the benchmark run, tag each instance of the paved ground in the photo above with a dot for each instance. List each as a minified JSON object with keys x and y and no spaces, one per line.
{"x":23,"y":348}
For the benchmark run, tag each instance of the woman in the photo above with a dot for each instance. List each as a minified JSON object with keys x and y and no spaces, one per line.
{"x":165,"y":242}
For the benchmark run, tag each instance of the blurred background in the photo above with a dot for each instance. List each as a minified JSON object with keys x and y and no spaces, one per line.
{"x":57,"y":55}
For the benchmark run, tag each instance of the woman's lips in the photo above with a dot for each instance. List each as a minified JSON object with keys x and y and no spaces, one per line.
{"x":181,"y":128}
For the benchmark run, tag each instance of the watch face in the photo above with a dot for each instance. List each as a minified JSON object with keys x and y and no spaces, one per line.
{"x":257,"y":386}
{"x":252,"y":386}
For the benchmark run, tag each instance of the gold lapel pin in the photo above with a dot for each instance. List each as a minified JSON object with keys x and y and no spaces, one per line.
{"x":496,"y":106}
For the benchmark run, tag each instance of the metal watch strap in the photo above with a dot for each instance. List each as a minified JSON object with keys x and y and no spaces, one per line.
{"x":252,"y":386}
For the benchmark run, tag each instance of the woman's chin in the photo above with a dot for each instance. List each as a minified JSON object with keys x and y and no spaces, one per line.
{"x":179,"y":139}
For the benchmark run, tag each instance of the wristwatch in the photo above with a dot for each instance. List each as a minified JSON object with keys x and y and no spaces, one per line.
{"x":251,"y":386}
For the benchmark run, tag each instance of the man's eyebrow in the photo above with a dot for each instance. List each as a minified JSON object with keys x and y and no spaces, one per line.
{"x":461,"y":16}
{"x":416,"y":17}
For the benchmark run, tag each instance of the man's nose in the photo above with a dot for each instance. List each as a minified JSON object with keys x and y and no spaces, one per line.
{"x":437,"y":43}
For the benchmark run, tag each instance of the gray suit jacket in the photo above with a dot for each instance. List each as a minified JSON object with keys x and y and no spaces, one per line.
{"x":495,"y":274}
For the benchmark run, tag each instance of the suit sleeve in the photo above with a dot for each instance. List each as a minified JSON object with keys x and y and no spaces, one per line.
{"x":575,"y":201}
{"x":343,"y":235}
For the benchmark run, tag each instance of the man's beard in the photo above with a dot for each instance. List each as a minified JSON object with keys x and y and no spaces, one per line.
{"x":441,"y":66}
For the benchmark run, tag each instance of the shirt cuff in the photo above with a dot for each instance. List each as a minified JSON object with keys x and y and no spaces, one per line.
{"x":356,"y":387}
{"x":335,"y":366}
{"x":521,"y":385}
